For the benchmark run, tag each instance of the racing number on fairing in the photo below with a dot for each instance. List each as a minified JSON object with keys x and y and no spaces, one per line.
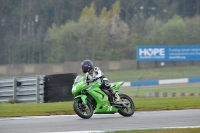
{"x":109,"y":108}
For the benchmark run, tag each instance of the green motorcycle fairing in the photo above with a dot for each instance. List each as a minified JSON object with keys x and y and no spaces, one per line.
{"x":102,"y":103}
{"x":117,"y":85}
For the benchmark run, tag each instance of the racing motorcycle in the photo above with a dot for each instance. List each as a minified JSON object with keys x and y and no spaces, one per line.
{"x":91,"y":99}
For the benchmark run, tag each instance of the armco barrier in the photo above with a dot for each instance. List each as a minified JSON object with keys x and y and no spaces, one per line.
{"x":37,"y":89}
{"x":28,"y":89}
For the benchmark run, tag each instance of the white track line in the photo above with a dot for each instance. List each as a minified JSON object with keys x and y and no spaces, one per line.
{"x":46,"y":117}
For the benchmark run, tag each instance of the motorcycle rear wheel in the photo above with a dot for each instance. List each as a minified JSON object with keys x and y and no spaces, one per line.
{"x":130,"y":109}
{"x":82,"y":110}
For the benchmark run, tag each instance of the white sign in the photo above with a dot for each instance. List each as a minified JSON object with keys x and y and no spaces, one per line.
{"x":152,"y":53}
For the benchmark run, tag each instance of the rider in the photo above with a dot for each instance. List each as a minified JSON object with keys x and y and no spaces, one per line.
{"x":95,"y":74}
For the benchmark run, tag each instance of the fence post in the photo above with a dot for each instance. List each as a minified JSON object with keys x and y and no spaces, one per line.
{"x":156,"y":94}
{"x":37,"y":89}
{"x":14,"y":89}
{"x":173,"y":94}
{"x":148,"y":94}
{"x":165,"y":94}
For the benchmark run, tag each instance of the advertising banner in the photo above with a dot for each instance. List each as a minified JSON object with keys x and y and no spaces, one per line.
{"x":168,"y":53}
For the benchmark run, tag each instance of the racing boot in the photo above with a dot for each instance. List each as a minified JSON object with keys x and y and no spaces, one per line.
{"x":117,"y":98}
{"x":114,"y":97}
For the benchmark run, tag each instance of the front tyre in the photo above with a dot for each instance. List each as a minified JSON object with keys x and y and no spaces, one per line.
{"x":130,"y":109}
{"x":82,"y":110}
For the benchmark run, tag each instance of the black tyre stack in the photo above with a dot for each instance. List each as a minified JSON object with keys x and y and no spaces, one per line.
{"x":58,"y":87}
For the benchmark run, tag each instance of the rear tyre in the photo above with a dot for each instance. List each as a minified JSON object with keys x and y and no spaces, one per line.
{"x":82,"y":110}
{"x":130,"y":109}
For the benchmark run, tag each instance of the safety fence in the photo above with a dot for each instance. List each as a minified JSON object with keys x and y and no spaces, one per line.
{"x":37,"y":89}
{"x":27,"y":89}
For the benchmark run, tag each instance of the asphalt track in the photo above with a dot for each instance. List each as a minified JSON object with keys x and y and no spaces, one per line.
{"x":141,"y":120}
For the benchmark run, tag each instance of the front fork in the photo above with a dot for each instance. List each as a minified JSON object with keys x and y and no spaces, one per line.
{"x":82,"y":107}
{"x":83,"y":98}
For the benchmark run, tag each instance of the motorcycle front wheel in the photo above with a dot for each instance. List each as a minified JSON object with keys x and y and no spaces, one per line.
{"x":130,"y":109}
{"x":82,"y":110}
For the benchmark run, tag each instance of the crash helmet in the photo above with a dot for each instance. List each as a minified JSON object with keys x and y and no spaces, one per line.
{"x":87,"y":66}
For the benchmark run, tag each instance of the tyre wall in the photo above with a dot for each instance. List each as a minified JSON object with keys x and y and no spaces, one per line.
{"x":58,"y":87}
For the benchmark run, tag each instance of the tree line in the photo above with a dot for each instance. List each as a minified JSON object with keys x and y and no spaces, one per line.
{"x":55,"y":31}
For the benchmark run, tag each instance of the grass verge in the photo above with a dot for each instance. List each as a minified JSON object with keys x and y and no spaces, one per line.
{"x":63,"y":108}
{"x":154,"y":73}
{"x":132,"y":91}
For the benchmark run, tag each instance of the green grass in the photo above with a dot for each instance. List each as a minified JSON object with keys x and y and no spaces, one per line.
{"x":63,"y":108}
{"x":154,"y":73}
{"x":185,"y":130}
{"x":58,"y":108}
{"x":133,"y":91}
{"x":175,"y":103}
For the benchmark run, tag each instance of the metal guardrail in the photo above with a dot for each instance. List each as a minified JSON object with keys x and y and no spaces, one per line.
{"x":27,"y":89}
